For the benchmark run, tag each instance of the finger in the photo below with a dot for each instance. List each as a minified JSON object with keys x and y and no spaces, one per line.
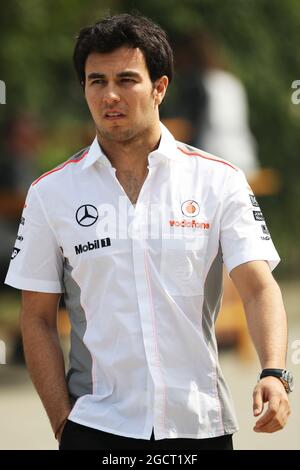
{"x":268,"y":428}
{"x":258,"y":404}
{"x":276,"y":424}
{"x":273,"y":409}
{"x":278,"y":421}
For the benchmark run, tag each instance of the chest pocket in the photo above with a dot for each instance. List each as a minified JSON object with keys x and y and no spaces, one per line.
{"x":182,"y":265}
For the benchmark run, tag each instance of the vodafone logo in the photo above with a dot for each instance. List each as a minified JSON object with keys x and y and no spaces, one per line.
{"x":189,"y":223}
{"x":190,"y":208}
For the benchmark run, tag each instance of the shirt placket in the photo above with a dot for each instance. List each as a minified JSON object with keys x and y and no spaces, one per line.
{"x":140,"y":253}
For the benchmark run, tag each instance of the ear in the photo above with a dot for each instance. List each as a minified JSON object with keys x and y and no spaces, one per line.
{"x":160,"y":88}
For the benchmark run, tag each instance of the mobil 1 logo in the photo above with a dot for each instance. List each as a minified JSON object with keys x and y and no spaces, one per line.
{"x":91,"y":246}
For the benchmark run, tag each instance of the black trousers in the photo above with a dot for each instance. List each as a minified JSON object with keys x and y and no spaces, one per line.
{"x":78,"y":437}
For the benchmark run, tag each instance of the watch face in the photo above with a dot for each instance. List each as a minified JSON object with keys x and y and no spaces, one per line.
{"x":285,"y":376}
{"x":288,"y":377}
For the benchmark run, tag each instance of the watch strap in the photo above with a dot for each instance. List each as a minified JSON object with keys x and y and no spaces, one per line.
{"x":272,"y":373}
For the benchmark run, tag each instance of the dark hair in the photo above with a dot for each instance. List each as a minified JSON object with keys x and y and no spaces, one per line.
{"x":134,"y":31}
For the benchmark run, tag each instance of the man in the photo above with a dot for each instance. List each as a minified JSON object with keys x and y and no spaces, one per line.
{"x":133,"y":231}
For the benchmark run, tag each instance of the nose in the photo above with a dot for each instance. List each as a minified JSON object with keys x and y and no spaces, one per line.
{"x":111,"y":96}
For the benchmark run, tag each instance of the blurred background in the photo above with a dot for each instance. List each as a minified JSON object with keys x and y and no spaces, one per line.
{"x":232,"y":95}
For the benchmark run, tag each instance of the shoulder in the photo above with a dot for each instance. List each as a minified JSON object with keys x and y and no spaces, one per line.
{"x":61,"y":171}
{"x":205,"y":159}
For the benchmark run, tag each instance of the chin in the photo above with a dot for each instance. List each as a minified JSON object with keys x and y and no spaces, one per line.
{"x":117,"y":134}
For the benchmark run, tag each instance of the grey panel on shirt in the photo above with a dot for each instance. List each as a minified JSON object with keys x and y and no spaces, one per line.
{"x":78,"y":155}
{"x":213,"y":290}
{"x":79,"y":377}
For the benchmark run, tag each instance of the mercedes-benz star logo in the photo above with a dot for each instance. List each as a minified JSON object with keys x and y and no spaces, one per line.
{"x":86,"y":215}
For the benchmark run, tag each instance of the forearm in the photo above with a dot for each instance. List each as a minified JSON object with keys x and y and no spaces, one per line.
{"x":267,"y":324}
{"x":45,"y":363}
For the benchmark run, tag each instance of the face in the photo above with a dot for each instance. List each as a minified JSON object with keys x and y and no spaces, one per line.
{"x":121,"y":97}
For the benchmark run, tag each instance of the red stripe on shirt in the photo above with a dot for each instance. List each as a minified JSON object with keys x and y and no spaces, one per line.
{"x":59,"y":168}
{"x":206,"y":158}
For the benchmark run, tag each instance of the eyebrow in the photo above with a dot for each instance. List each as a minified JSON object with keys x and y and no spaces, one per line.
{"x":125,"y":73}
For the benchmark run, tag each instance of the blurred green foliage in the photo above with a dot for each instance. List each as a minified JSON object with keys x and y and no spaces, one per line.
{"x":260,"y":40}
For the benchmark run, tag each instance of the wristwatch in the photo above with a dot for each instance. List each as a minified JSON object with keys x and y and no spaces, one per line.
{"x":285,"y":376}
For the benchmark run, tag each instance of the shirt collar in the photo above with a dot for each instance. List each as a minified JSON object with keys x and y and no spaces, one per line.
{"x":167,"y":149}
{"x":167,"y":146}
{"x":95,"y":153}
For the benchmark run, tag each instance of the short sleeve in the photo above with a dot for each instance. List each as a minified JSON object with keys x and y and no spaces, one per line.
{"x":244,"y":233}
{"x":36,"y":261}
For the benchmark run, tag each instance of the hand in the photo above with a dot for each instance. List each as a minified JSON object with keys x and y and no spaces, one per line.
{"x":271,"y":390}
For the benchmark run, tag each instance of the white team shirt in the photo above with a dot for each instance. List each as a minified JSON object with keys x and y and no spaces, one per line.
{"x":142,"y":284}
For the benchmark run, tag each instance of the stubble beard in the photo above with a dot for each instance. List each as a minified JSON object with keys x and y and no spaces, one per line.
{"x":116,"y":135}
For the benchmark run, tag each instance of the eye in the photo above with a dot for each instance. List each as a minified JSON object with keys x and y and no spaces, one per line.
{"x":127,"y":80}
{"x":99,"y":81}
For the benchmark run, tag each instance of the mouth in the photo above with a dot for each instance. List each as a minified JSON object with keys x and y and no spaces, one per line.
{"x":113,"y":115}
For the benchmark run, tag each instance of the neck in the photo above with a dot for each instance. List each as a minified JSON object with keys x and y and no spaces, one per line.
{"x":133,"y":153}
